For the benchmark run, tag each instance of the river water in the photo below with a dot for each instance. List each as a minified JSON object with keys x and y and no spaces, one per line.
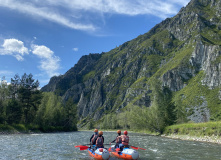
{"x":60,"y":146}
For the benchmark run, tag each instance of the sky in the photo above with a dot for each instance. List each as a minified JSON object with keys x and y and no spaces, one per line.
{"x":48,"y":37}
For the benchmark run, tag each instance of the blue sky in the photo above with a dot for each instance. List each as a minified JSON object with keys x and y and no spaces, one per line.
{"x":48,"y":37}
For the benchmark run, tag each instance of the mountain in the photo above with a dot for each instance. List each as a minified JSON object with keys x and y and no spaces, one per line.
{"x":181,"y":54}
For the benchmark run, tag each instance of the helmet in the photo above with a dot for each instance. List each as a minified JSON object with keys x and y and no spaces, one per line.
{"x":100,"y":133}
{"x":125,"y":132}
{"x":119,"y":131}
{"x":96,"y":130}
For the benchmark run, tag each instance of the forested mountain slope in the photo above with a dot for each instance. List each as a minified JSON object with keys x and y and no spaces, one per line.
{"x":175,"y":69}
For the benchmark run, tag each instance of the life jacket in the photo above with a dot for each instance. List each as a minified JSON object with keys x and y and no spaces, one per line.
{"x":99,"y":142}
{"x":119,"y":139}
{"x":94,"y":139}
{"x":125,"y":139}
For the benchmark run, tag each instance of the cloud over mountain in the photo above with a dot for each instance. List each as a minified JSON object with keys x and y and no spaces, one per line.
{"x":49,"y":62}
{"x":79,"y":14}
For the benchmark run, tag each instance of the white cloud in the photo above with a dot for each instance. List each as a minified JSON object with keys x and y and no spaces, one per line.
{"x":14,"y":48}
{"x":49,"y":62}
{"x":83,"y":14}
{"x":159,"y":8}
{"x":43,"y":11}
{"x":75,"y":49}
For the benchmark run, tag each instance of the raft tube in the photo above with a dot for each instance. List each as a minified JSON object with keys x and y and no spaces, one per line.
{"x":99,"y":154}
{"x":127,"y":153}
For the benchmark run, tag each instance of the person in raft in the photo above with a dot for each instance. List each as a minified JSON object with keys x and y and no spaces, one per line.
{"x":94,"y":137}
{"x":100,"y":140}
{"x":125,"y":141}
{"x":118,"y":139}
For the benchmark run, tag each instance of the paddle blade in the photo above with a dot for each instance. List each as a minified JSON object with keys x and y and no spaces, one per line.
{"x":109,"y":149}
{"x":134,"y":147}
{"x":77,"y":146}
{"x":141,"y":148}
{"x":82,"y":147}
{"x":137,"y":148}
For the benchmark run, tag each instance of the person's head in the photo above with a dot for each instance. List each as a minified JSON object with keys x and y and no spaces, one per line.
{"x":125,"y":132}
{"x":119,"y":132}
{"x":100,"y":133}
{"x":96,"y":131}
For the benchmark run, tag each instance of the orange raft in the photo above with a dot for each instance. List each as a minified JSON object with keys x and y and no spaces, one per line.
{"x":99,"y":154}
{"x":127,"y":153}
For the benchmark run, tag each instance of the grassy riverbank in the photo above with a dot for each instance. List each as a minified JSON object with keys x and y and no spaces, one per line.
{"x":206,"y":132}
{"x":15,"y":129}
{"x":21,"y":128}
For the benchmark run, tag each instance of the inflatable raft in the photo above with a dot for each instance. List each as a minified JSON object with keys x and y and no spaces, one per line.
{"x":127,"y":153}
{"x":99,"y":154}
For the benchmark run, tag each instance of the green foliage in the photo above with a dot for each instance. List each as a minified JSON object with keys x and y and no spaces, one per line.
{"x":196,"y":129}
{"x":20,"y":127}
{"x":110,"y":121}
{"x":13,"y":112}
{"x":7,"y":128}
{"x":23,"y":107}
{"x":70,"y":117}
{"x":90,"y":125}
{"x":53,"y":114}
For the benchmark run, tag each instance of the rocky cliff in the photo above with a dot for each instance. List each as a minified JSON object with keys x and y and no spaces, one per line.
{"x":183,"y":52}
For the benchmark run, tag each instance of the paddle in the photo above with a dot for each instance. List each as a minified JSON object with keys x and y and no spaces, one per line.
{"x":137,"y":147}
{"x":82,"y":147}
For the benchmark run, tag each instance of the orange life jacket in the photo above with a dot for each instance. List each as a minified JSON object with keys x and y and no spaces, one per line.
{"x":125,"y":140}
{"x":99,"y":142}
{"x":119,"y":139}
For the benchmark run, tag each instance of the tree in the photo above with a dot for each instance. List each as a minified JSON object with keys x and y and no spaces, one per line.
{"x":15,"y":83}
{"x":13,"y":112}
{"x":2,"y":113}
{"x":138,"y":117}
{"x":3,"y":89}
{"x":161,"y":113}
{"x":28,"y":95}
{"x":70,"y":110}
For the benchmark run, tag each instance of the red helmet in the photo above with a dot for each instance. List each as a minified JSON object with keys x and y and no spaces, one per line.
{"x":119,"y":131}
{"x":125,"y":132}
{"x":96,"y":130}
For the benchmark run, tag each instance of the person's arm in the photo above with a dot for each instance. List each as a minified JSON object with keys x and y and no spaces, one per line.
{"x":91,"y":137}
{"x":114,"y":140}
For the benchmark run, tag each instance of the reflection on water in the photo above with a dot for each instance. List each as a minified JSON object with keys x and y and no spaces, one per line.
{"x":61,"y":146}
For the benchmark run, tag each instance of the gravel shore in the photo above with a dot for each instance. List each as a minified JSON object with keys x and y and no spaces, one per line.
{"x":209,"y":139}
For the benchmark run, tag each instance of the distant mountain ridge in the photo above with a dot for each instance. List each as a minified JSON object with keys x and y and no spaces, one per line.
{"x":182,"y":52}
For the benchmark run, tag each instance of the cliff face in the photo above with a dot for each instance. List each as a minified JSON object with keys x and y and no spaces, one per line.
{"x":181,"y":52}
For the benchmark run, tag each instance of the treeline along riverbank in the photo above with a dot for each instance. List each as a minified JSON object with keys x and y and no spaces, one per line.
{"x":24,"y":107}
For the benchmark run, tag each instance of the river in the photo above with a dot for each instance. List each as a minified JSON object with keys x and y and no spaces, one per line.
{"x":60,"y":146}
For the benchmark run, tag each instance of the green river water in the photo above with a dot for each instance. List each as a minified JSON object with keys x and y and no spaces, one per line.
{"x":60,"y":146}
